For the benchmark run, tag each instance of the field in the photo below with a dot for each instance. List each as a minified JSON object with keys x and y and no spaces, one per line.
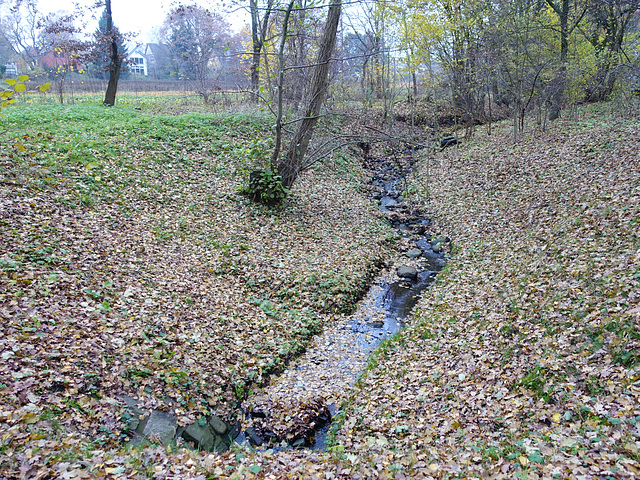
{"x":162,"y":101}
{"x":130,"y":264}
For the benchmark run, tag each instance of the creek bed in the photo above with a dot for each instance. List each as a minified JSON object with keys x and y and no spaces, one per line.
{"x":297,"y":406}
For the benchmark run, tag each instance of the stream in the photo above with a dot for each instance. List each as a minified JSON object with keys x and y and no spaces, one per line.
{"x":296,"y":408}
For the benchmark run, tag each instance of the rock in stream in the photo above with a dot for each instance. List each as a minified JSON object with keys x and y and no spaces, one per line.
{"x":298,"y":403}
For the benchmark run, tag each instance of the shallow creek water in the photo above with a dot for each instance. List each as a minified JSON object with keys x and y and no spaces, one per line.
{"x":322,"y":377}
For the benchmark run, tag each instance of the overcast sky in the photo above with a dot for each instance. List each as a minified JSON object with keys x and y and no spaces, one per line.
{"x":140,"y":16}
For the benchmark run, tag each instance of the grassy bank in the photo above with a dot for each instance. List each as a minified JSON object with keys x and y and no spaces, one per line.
{"x":522,"y":361}
{"x":524,"y":358}
{"x":130,"y":265}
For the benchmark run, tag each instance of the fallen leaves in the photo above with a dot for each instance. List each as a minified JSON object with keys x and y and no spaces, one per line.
{"x":524,"y":346}
{"x":133,"y":267}
{"x":522,"y":360}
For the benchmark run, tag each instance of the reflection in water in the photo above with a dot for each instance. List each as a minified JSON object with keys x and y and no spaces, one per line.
{"x":337,"y":357}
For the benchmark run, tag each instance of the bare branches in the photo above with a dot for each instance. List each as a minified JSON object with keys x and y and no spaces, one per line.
{"x":280,"y":106}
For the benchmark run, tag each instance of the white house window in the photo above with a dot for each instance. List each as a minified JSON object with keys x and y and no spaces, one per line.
{"x":11,"y":69}
{"x":137,"y":65}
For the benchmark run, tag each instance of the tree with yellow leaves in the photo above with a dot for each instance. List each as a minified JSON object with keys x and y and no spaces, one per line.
{"x":10,"y":87}
{"x":67,"y":53}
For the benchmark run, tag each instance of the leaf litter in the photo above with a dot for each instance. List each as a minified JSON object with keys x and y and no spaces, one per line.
{"x":130,"y":265}
{"x":521,"y":360}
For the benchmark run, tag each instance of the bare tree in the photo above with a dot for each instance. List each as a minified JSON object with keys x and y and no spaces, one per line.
{"x":366,"y":47}
{"x":115,"y":64}
{"x":292,"y":164}
{"x":305,"y":28}
{"x":21,"y":28}
{"x":271,"y":185}
{"x":196,"y":39}
{"x":259,"y":25}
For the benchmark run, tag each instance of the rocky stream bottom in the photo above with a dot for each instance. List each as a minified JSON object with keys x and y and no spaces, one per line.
{"x":295,"y":409}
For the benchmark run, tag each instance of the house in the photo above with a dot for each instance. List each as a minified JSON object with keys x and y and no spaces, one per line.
{"x":11,"y":69}
{"x":159,"y":65}
{"x":137,"y":63}
{"x":56,"y":61}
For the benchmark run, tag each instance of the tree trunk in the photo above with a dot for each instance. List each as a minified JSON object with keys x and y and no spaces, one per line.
{"x":283,"y":40}
{"x":415,"y":83}
{"x":604,"y":81}
{"x":363,"y":78}
{"x":116,"y":62}
{"x":258,"y":33}
{"x":292,"y":164}
{"x":257,"y":48}
{"x":255,"y":73}
{"x":561,"y":79}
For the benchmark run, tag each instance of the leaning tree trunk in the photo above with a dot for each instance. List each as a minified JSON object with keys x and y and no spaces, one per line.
{"x":293,"y":162}
{"x":116,"y":62}
{"x":557,"y":101}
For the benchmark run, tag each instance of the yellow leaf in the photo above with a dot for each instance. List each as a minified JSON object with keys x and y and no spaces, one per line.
{"x":21,"y":87}
{"x":23,"y":78}
{"x":10,"y":81}
{"x":524,"y":461}
{"x":556,"y":417}
{"x":45,"y":87}
{"x":30,"y":418}
{"x":114,"y":470}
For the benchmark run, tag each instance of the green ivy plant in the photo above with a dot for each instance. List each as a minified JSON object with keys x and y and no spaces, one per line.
{"x":265,"y":186}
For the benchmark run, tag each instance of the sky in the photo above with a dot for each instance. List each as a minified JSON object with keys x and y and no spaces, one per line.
{"x":140,"y":16}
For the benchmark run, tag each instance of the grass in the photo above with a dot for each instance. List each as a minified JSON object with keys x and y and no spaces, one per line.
{"x":129,"y":253}
{"x":174,"y":102}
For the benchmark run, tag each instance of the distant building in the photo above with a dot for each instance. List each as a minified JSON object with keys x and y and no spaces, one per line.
{"x":157,"y":56}
{"x":11,"y":69}
{"x":137,"y":63}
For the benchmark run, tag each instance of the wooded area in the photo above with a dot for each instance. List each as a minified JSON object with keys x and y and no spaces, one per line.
{"x":482,"y":60}
{"x":354,"y":240}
